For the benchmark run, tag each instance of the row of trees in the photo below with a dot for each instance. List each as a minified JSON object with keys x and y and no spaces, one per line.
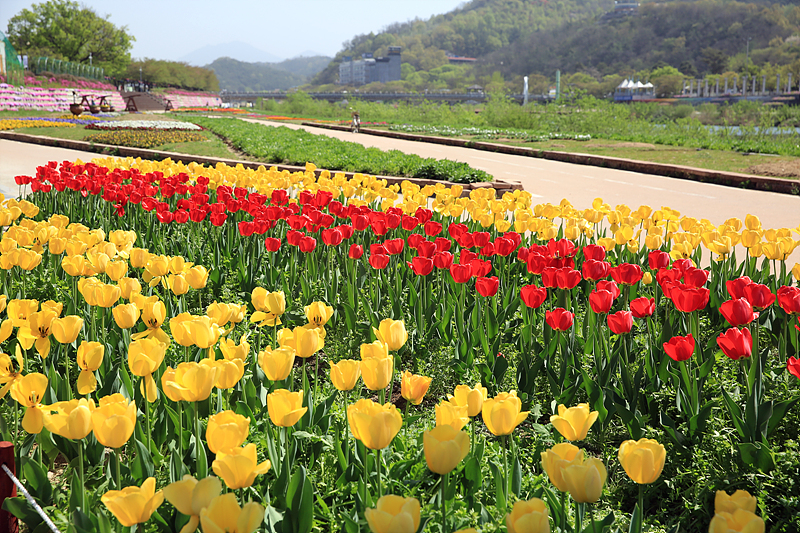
{"x":66,"y":30}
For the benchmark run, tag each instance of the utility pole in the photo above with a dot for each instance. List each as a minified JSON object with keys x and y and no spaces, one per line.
{"x":90,"y":59}
{"x":747,"y":56}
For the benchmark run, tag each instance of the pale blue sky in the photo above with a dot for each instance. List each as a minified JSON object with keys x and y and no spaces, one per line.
{"x":166,"y":29}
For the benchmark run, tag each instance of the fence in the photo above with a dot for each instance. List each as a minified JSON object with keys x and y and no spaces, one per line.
{"x":10,"y":67}
{"x":57,"y":66}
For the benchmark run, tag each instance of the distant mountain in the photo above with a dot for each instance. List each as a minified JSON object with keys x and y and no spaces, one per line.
{"x":235,"y":49}
{"x":234,"y":75}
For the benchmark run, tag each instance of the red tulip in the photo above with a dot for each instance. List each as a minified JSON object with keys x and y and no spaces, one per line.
{"x":695,"y":277}
{"x":181,"y":216}
{"x":657,"y":260}
{"x":643,"y":307}
{"x":460,"y":273}
{"x":426,"y":248}
{"x":488,"y":250}
{"x":355,"y":251}
{"x":465,"y":257}
{"x":601,"y":301}
{"x":559,"y":319}
{"x":504,"y":246}
{"x":432,"y":228}
{"x":409,"y":223}
{"x":424,"y":215}
{"x":421,"y":266}
{"x":456,"y":230}
{"x":217,"y":219}
{"x":487,"y":286}
{"x":394,"y":246}
{"x":610,"y":286}
{"x":682,"y":264}
{"x":279,"y":197}
{"x":594,"y":252}
{"x":293,"y":237}
{"x":537,"y":263}
{"x":680,"y":348}
{"x":442,"y":260}
{"x":736,"y":343}
{"x":332,"y":236}
{"x":688,"y":300}
{"x":414,"y":239}
{"x":465,"y":239}
{"x":737,"y":312}
{"x":594,"y":270}
{"x":480,"y":239}
{"x":567,"y":278}
{"x":620,"y":322}
{"x":789,"y":299}
{"x":533,"y":296}
{"x":480,"y":267}
{"x":759,"y":296}
{"x":272,"y":244}
{"x":736,"y":286}
{"x":443,"y":244}
{"x":307,"y":244}
{"x":627,"y":274}
{"x":379,"y":261}
{"x":793,"y":366}
{"x":561,"y":248}
{"x":360,"y":222}
{"x":165,"y":217}
{"x":378,"y":249}
{"x":549,"y":278}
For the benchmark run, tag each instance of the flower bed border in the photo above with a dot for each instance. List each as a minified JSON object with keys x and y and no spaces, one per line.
{"x":716,"y":177}
{"x":126,"y":151}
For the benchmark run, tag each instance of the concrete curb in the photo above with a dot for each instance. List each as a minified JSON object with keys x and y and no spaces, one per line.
{"x":728,"y":179}
{"x":125,"y":151}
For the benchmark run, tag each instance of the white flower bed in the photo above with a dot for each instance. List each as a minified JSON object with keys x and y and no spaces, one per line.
{"x":145,"y":125}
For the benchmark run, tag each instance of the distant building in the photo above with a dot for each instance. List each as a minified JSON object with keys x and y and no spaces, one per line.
{"x":454,"y":59}
{"x":370,"y":69}
{"x":622,"y":10}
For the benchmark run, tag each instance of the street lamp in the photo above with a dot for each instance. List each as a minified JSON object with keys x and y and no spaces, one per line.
{"x":90,"y":59}
{"x":747,"y":56}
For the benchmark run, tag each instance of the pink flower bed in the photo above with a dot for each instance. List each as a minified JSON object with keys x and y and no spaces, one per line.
{"x":39,"y":99}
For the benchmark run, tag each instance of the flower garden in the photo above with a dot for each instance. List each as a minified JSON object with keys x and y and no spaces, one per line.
{"x":236,"y":350}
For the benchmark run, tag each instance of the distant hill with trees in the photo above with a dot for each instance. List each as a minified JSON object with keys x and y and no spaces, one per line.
{"x":237,"y":75}
{"x":669,"y":39}
{"x":160,"y":73}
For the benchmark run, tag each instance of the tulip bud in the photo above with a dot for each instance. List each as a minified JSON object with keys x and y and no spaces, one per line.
{"x":394,"y":514}
{"x":739,"y":521}
{"x":285,"y":408}
{"x":643,"y":460}
{"x":471,"y":398}
{"x":373,"y":424}
{"x":585,"y":480}
{"x":392,"y":333}
{"x":574,"y":423}
{"x":224,"y":510}
{"x":66,"y":330}
{"x":529,"y":516}
{"x":444,"y":447}
{"x":345,"y":374}
{"x":557,"y":458}
{"x":413,"y":387}
{"x":239,"y":467}
{"x":503,"y":413}
{"x":447,"y":413}
{"x":226,"y":430}
{"x":114,"y":420}
{"x":277,"y":364}
{"x":741,"y":499}
{"x":71,"y":420}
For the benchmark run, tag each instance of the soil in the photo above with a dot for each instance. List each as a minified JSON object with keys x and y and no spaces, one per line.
{"x":646,"y":146}
{"x":782,"y":169}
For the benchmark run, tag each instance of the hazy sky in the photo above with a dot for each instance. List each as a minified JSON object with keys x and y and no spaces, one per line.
{"x":166,"y":29}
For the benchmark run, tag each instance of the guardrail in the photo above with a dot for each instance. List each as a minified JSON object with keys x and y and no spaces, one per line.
{"x":57,"y":66}
{"x":373,"y":97}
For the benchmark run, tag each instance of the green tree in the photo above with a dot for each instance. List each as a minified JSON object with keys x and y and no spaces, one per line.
{"x":66,"y":30}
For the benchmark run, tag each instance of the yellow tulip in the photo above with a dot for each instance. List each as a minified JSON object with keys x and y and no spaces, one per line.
{"x":392,"y":333}
{"x":444,"y":448}
{"x":229,"y":372}
{"x":503,"y":413}
{"x":134,"y":505}
{"x":223,"y":514}
{"x":66,"y":329}
{"x":157,"y":266}
{"x":318,"y":313}
{"x":585,"y":480}
{"x":54,"y":306}
{"x":139,"y":257}
{"x":19,"y":311}
{"x":3,"y":302}
{"x":413,"y":388}
{"x":145,"y":356}
{"x":394,"y":514}
{"x":449,"y":414}
{"x":203,"y":331}
{"x":107,"y":295}
{"x":74,"y":265}
{"x":377,"y":372}
{"x":190,"y":496}
{"x":114,"y":420}
{"x":373,"y":424}
{"x":557,"y":458}
{"x":153,"y":314}
{"x":126,"y":315}
{"x":56,"y":245}
{"x":741,"y":499}
{"x":277,"y":364}
{"x":239,"y":467}
{"x":180,"y":333}
{"x":230,"y":350}
{"x":471,"y":398}
{"x":197,"y":277}
{"x":178,"y":284}
{"x":647,"y":278}
{"x":269,"y":306}
{"x":374,"y":350}
{"x":226,"y":430}
{"x":28,"y":259}
{"x":128,"y":287}
{"x":28,"y":391}
{"x":220,"y":313}
{"x":529,"y":516}
{"x":10,"y":372}
{"x":574,"y":423}
{"x":739,"y":521}
{"x":71,"y":420}
{"x":116,"y":270}
{"x":178,"y":264}
{"x":285,"y":408}
{"x":643,"y":460}
{"x":90,"y":357}
{"x":38,"y":331}
{"x":305,"y":341}
{"x":345,"y":374}
{"x":752,"y":222}
{"x":796,"y":272}
{"x":189,"y":382}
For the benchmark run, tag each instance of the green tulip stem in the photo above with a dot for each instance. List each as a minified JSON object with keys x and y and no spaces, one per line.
{"x":346,"y":437}
{"x":196,"y":430}
{"x":405,"y":418}
{"x":578,"y":518}
{"x":305,"y":383}
{"x":564,"y":511}
{"x":591,"y":518}
{"x":66,"y":373}
{"x":641,"y":507}
{"x":118,"y":457}
{"x":180,"y":431}
{"x":505,"y":468}
{"x":378,"y":466}
{"x":80,"y":476}
{"x":444,"y":503}
{"x":286,"y":466}
{"x":382,"y":396}
{"x":146,"y":413}
{"x":40,"y":440}
{"x":133,"y":528}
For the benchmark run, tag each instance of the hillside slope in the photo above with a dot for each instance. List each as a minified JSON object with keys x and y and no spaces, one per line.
{"x":237,"y":75}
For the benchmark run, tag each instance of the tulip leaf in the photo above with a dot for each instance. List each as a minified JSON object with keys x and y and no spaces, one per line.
{"x":299,"y":501}
{"x":37,"y":483}
{"x":636,"y":520}
{"x":516,"y":477}
{"x":499,"y":490}
{"x":758,"y":455}
{"x":274,"y":519}
{"x":19,"y":507}
{"x":202,"y":459}
{"x":779,"y":410}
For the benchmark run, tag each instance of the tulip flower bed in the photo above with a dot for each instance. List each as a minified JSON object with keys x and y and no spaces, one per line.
{"x":148,"y":125}
{"x":295,"y":147}
{"x":141,"y":138}
{"x":242,"y":350}
{"x":12,"y":124}
{"x":486,"y":133}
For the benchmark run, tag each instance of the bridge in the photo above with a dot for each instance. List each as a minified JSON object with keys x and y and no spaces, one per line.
{"x":480,"y":97}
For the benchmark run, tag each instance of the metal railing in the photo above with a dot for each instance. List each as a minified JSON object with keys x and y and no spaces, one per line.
{"x":57,"y":66}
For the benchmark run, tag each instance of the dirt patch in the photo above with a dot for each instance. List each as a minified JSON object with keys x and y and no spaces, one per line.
{"x":779,"y":169}
{"x":643,"y":146}
{"x":554,"y":145}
